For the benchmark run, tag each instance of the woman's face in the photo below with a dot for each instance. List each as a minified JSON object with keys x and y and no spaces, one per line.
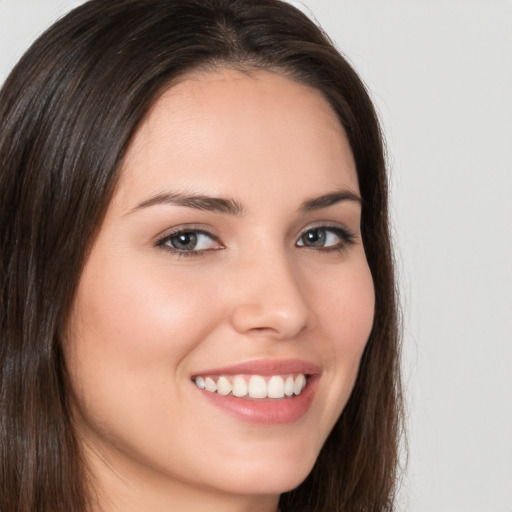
{"x":230,"y":257}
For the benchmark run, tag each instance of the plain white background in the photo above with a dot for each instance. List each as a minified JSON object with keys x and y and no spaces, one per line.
{"x":440,"y":73}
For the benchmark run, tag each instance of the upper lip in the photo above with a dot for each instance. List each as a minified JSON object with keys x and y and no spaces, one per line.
{"x":266,"y":367}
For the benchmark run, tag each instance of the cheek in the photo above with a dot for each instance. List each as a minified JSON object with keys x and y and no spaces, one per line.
{"x":130,"y":310}
{"x":355,"y":317}
{"x":347,"y":311}
{"x":356,"y":312}
{"x":130,"y":334}
{"x":346,"y":307}
{"x":129,"y":337}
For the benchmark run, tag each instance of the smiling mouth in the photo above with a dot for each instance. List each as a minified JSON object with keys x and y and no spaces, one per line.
{"x":254,"y":386}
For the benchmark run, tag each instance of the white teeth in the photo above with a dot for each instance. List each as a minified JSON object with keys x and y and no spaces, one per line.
{"x":240,"y":387}
{"x":288,"y":386}
{"x":257,"y":387}
{"x":275,"y":386}
{"x":223,"y":386}
{"x":210,"y":385}
{"x":300,"y":383}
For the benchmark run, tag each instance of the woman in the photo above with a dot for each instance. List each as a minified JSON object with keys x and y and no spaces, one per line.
{"x":197,"y":291}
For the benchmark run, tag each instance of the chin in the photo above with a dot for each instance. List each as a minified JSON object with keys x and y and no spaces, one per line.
{"x":270,"y":478}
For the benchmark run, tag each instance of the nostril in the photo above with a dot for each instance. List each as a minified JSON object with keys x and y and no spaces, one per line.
{"x":262,"y":330}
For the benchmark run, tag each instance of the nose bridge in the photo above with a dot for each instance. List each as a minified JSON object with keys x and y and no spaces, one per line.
{"x":270,"y":298}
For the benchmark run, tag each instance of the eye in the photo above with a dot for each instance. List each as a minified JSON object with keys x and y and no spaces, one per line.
{"x":191,"y":241}
{"x":326,"y":238}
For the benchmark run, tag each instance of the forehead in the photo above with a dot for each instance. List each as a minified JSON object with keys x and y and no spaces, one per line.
{"x":227,"y":131}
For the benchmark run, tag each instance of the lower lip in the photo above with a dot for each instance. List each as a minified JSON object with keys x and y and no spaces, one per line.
{"x":269,"y":411}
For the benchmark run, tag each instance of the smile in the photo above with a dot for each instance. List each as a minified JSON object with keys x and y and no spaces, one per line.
{"x":270,"y":392}
{"x":254,"y":386}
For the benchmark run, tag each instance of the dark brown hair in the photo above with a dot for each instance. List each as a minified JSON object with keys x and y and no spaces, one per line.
{"x":67,"y":113}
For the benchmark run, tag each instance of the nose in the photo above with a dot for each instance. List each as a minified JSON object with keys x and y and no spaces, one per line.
{"x":270,"y":299}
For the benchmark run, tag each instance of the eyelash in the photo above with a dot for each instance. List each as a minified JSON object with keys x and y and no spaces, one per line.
{"x":165,"y":241}
{"x":347,"y":238}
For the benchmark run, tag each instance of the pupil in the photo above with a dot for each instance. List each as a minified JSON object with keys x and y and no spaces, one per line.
{"x":185,"y":241}
{"x":315,"y":238}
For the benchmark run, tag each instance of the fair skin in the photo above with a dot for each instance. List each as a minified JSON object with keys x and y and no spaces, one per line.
{"x":272,"y":280}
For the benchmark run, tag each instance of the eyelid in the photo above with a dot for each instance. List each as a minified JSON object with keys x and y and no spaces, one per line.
{"x":161,"y":240}
{"x":347,"y":236}
{"x":181,"y":228}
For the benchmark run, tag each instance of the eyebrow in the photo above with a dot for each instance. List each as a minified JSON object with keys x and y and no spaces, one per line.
{"x":198,"y":202}
{"x":330,"y":199}
{"x":232,"y":207}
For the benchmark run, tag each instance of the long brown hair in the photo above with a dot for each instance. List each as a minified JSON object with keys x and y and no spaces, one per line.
{"x":67,"y":113}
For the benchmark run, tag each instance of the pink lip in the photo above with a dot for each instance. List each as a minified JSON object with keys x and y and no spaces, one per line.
{"x":266,"y":411}
{"x":265,"y":367}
